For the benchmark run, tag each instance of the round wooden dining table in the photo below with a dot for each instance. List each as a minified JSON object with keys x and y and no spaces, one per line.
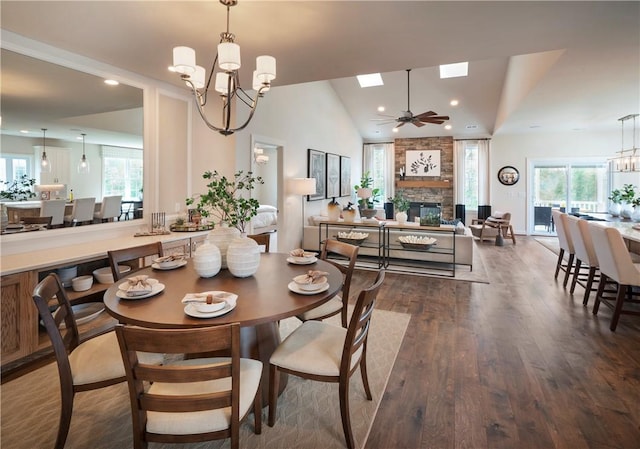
{"x":263,"y":300}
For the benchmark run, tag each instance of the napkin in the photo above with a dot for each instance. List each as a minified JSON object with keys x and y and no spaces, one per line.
{"x":138,"y":285}
{"x":170,"y":258}
{"x":298,"y":252}
{"x":314,"y":277}
{"x":230,"y":298}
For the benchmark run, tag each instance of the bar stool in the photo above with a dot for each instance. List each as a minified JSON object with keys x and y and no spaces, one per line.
{"x":617,"y":265}
{"x":585,"y":258}
{"x":566,"y":245}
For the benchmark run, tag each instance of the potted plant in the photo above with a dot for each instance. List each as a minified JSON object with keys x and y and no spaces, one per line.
{"x":616,"y":202}
{"x":225,"y":201}
{"x":627,"y":195}
{"x":401,"y":206}
{"x":367,"y":194}
{"x":20,"y":189}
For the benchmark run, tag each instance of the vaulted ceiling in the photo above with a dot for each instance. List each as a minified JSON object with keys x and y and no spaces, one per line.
{"x":533,"y":66}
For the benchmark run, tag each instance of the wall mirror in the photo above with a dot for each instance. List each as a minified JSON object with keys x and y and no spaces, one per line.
{"x":508,"y":175}
{"x":36,"y":94}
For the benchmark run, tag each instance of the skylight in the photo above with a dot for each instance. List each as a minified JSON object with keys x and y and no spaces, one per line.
{"x":454,"y":70}
{"x":370,"y":80}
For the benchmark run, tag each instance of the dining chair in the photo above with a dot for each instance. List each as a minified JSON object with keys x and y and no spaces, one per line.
{"x":55,"y":210}
{"x":82,"y":211}
{"x":616,"y":265}
{"x":195,"y":399}
{"x":337,"y":304}
{"x":328,"y":353}
{"x":37,"y":220}
{"x":82,"y":365}
{"x":262,"y":239}
{"x":566,"y":246}
{"x":109,"y":208}
{"x":585,"y":257}
{"x":134,"y":256}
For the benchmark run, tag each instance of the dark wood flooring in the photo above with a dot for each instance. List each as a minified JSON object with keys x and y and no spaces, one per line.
{"x":517,"y":363}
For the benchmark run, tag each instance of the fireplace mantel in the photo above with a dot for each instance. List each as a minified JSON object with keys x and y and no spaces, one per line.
{"x":435,"y":184}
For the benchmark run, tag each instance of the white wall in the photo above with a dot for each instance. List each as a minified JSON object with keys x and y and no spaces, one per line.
{"x":301,"y":116}
{"x":517,"y":150}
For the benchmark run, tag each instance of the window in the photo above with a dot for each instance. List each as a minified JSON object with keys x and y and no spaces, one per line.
{"x":13,"y":166}
{"x":471,"y":159}
{"x":122,"y":172}
{"x":378,"y":161}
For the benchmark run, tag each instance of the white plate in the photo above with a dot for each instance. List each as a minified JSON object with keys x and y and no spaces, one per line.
{"x":179,"y":264}
{"x":294,"y":288}
{"x":190,"y":309}
{"x":306,"y":262}
{"x":155,"y":289}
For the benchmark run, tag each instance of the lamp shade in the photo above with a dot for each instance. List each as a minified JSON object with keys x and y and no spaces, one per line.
{"x":365,"y":193}
{"x":303,"y":186}
{"x":184,"y":60}
{"x":229,"y":56}
{"x":266,"y":68}
{"x":222,"y":83}
{"x":257,"y":83}
{"x":198,"y":77}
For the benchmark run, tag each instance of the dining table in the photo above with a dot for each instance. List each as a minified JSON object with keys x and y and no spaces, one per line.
{"x":263,"y":299}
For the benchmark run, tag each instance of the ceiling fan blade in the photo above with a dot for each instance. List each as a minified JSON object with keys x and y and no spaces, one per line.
{"x":426,"y":114}
{"x":385,"y":123}
{"x":400,"y":124}
{"x":435,"y":122}
{"x":417,"y":123}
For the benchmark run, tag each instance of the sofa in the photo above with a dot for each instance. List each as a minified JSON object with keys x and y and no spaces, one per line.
{"x":463,"y":241}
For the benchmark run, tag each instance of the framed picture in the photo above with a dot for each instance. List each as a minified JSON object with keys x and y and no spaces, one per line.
{"x":317,"y":168}
{"x":423,"y":163}
{"x":508,"y":175}
{"x":333,"y":175}
{"x":345,"y":176}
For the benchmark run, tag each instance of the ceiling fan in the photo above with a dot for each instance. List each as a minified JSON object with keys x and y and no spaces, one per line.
{"x":408,"y":117}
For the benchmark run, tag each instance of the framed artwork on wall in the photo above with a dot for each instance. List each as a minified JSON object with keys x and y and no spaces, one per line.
{"x":316,"y":168}
{"x":333,"y":175}
{"x":345,"y":176}
{"x":423,"y":163}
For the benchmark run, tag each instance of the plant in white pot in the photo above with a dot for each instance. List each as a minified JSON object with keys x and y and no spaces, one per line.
{"x":400,"y":206}
{"x":616,"y":202}
{"x":627,"y":195}
{"x":225,"y":200}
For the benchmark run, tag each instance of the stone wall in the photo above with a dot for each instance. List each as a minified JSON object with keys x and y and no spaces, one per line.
{"x":432,"y":189}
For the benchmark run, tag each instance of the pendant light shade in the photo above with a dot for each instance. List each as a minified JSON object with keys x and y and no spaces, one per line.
{"x":83,"y":165}
{"x":229,"y":56}
{"x":45,"y":165}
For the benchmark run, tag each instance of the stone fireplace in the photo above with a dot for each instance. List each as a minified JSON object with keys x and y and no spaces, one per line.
{"x":426,"y":189}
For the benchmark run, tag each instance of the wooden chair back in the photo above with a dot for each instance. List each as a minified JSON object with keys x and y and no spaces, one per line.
{"x":350,"y":252}
{"x":262,"y":239}
{"x":181,"y":341}
{"x":135,"y":256}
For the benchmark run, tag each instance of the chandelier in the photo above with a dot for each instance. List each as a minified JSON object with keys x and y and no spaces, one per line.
{"x":227,"y":80}
{"x":628,"y":159}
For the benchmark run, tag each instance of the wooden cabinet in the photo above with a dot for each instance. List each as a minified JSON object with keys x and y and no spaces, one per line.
{"x":60,"y":161}
{"x":19,"y":316}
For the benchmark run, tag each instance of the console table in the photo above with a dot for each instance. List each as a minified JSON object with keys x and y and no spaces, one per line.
{"x":377,"y":245}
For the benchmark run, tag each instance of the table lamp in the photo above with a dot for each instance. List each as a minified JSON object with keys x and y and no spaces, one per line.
{"x":302,"y":187}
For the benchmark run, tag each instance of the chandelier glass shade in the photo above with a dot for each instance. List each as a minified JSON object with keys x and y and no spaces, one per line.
{"x":627,"y":160}
{"x":83,"y":164}
{"x":226,"y":81}
{"x":45,"y":165}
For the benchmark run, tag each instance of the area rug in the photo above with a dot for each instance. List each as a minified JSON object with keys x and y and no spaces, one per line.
{"x":308,"y":412}
{"x":551,"y":243}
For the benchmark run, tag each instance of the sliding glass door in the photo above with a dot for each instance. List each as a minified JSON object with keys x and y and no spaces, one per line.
{"x":574,"y":186}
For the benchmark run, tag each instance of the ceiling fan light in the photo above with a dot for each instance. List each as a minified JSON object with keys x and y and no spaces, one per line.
{"x":184,"y":60}
{"x":266,"y":68}
{"x":229,"y":56}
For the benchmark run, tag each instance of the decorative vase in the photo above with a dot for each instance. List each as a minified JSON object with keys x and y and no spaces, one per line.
{"x":401,"y":217}
{"x":243,"y":257}
{"x":333,"y":210}
{"x":627,"y":210}
{"x":349,"y":215}
{"x":222,"y":236}
{"x":207,"y":260}
{"x":615,"y":209}
{"x":635,"y":216}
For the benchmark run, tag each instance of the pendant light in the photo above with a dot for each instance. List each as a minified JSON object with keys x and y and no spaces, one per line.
{"x":45,"y":166}
{"x":83,"y":165}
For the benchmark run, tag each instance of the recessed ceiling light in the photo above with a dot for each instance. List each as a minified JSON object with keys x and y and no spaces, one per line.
{"x":448,"y":126}
{"x":454,"y":102}
{"x":454,"y":70}
{"x":111,"y":82}
{"x":171,"y":68}
{"x":380,"y":108}
{"x":370,"y":80}
{"x":395,"y":130}
{"x":24,"y":131}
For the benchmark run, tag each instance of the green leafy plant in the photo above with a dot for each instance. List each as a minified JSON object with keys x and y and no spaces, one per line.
{"x":366,"y":182}
{"x":616,"y":196}
{"x":628,"y":193}
{"x":400,"y":203}
{"x":20,"y":189}
{"x":224,"y":199}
